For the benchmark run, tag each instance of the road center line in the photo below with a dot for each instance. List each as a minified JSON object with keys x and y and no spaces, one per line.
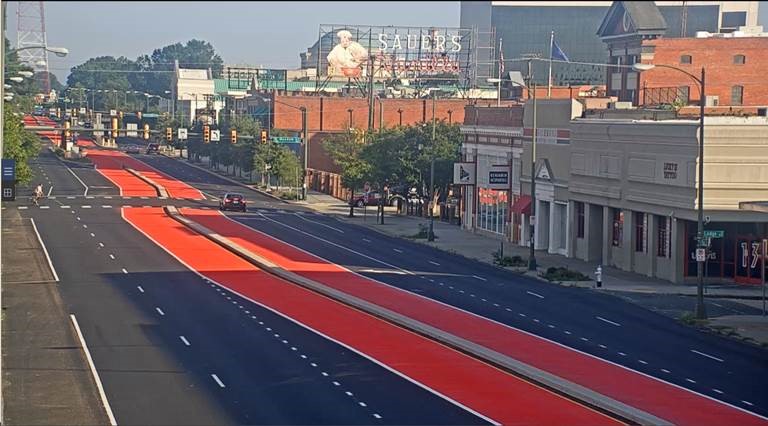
{"x":535,"y":294}
{"x":609,"y":321}
{"x":218,"y":381}
{"x":707,"y":355}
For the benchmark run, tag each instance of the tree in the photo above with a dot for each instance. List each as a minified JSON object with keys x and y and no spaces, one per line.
{"x":105,"y":73}
{"x":286,"y":166}
{"x":345,"y":150}
{"x":196,"y":54}
{"x":18,"y":144}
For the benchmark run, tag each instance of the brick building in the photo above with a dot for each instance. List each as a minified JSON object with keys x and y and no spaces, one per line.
{"x":633,"y":33}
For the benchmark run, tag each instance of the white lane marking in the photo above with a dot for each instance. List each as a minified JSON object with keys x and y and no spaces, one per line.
{"x":85,"y":226}
{"x":690,"y":380}
{"x":707,"y":355}
{"x":397,"y":250}
{"x":23,"y":207}
{"x":366,"y":240}
{"x":86,"y":207}
{"x":89,"y":197}
{"x":567,"y":332}
{"x":718,"y":391}
{"x":81,"y":182}
{"x":160,"y":311}
{"x":45,"y":250}
{"x":521,"y":314}
{"x":324,"y":374}
{"x":479,"y":278}
{"x":140,"y":289}
{"x":665,"y":370}
{"x":609,"y":321}
{"x":101,"y":245}
{"x":349,"y":393}
{"x":362,"y":404}
{"x":434,"y":263}
{"x":313,"y":364}
{"x":78,"y":218}
{"x":642,"y":362}
{"x":748,"y":403}
{"x":125,"y":271}
{"x":65,"y":207}
{"x":376,"y":416}
{"x":603,"y":346}
{"x":49,"y":191}
{"x":70,"y":198}
{"x":106,"y":207}
{"x":108,"y":197}
{"x":584,"y":339}
{"x":535,"y":294}
{"x":336,"y":383}
{"x":184,"y":339}
{"x":550,"y":326}
{"x":95,"y":373}
{"x":218,"y":381}
{"x":112,"y":256}
{"x":319,"y":223}
{"x":45,"y":207}
{"x":92,"y":234}
{"x":622,"y":354}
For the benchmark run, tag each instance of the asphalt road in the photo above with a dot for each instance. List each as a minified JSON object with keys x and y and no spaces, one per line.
{"x":598,"y":324}
{"x":172,"y":348}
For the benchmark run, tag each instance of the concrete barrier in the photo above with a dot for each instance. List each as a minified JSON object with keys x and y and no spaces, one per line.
{"x":563,"y":387}
{"x":161,"y":191}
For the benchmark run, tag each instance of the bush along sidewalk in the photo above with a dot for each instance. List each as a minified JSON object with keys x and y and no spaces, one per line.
{"x":561,"y":274}
{"x":513,"y":261}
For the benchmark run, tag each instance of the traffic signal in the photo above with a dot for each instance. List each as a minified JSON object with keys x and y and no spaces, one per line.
{"x":263,"y":135}
{"x":146,"y":131}
{"x":169,"y":134}
{"x":206,"y":133}
{"x":114,"y":127}
{"x":233,"y":136}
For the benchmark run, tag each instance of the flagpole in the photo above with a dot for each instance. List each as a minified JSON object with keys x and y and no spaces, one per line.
{"x":501,"y":66}
{"x":551,"y":43}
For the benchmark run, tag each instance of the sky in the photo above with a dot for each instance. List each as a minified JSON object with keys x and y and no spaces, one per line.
{"x":271,"y":34}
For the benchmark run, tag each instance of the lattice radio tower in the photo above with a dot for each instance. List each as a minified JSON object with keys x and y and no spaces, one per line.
{"x":30,"y":31}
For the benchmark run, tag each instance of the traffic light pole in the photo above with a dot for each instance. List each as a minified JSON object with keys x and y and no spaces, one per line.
{"x":306,"y":151}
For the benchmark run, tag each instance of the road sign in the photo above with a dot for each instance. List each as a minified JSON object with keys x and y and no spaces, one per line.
{"x":215,"y":135}
{"x":113,"y":112}
{"x":181,"y":134}
{"x":714,"y":234}
{"x":9,"y":169}
{"x":701,"y":255}
{"x":285,"y":139}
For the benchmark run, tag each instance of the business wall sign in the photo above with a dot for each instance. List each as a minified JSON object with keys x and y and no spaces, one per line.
{"x":464,"y":173}
{"x":498,"y":179}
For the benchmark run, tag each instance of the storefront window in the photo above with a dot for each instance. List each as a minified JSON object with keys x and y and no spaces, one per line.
{"x":493,"y":210}
{"x":579,"y":219}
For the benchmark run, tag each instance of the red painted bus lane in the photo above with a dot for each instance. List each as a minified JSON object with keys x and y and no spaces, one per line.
{"x":481,"y":388}
{"x":661,"y":399}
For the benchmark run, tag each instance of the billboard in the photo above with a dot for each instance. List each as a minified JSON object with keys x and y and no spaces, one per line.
{"x":352,"y":51}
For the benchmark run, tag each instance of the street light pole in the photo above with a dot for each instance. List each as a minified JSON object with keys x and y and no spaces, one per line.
{"x":306,"y":151}
{"x":431,"y":235}
{"x":533,"y":219}
{"x":701,"y":312}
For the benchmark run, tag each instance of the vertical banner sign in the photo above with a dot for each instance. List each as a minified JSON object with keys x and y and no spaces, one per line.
{"x":9,"y":179}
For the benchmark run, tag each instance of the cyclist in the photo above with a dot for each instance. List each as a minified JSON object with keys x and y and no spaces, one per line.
{"x":38,"y":194}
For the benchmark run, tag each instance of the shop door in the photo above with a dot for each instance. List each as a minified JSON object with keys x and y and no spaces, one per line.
{"x":748,"y":260}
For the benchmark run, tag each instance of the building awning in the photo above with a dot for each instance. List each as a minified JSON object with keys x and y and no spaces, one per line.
{"x":523,"y":205}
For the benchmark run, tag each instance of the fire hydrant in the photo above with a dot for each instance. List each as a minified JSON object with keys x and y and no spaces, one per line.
{"x":599,"y":276}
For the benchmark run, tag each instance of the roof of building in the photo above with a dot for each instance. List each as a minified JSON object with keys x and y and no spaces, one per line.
{"x":644,"y":17}
{"x":224,"y":85}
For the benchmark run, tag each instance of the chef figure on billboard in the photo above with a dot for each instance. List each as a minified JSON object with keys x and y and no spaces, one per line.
{"x":347,"y":57}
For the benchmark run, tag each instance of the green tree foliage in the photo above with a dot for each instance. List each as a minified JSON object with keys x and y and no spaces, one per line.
{"x":245,"y":125}
{"x":286,"y":166}
{"x":18,"y":144}
{"x":345,"y":151}
{"x":195,"y":54}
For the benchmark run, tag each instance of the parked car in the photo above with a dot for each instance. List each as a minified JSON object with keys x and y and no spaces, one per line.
{"x":132,"y":149}
{"x":232,"y":201}
{"x":360,"y":199}
{"x":153,"y":148}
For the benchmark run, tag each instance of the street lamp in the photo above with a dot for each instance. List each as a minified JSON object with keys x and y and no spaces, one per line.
{"x":431,"y":234}
{"x":701,"y":312}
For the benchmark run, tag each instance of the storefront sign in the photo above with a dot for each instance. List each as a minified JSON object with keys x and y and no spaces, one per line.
{"x":670,"y":170}
{"x":464,"y":173}
{"x":498,"y":179}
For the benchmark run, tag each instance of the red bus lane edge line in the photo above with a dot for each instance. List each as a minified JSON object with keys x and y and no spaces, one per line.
{"x":531,"y":374}
{"x":594,"y":357}
{"x":452,"y":352}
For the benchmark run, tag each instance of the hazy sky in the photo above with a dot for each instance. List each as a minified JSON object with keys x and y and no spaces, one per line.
{"x":271,"y":34}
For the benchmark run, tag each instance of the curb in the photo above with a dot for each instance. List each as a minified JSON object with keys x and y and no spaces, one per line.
{"x":572,"y":390}
{"x":161,"y":192}
{"x":266,"y":194}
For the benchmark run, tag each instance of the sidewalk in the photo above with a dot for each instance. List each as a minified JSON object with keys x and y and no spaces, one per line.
{"x":46,"y":379}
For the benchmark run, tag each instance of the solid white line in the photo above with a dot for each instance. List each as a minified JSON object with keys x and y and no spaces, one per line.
{"x":535,"y":294}
{"x":706,"y":355}
{"x":215,"y":377}
{"x":140,"y":289}
{"x":184,"y":339}
{"x":397,"y":250}
{"x":49,"y":191}
{"x":45,"y":250}
{"x":748,"y":403}
{"x":366,"y":240}
{"x":609,"y":321}
{"x":160,"y":311}
{"x":79,"y":180}
{"x":479,"y":278}
{"x":95,"y":373}
{"x":319,"y":223}
{"x":434,"y":263}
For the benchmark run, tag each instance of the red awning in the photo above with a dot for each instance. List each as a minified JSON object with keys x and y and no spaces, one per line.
{"x":523,"y":205}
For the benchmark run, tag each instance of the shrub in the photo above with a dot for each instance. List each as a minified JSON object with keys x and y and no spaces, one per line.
{"x":423,"y":233}
{"x":515,"y":261}
{"x":563,"y":274}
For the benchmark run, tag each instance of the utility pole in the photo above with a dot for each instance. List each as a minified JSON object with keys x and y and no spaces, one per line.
{"x":533,"y":220}
{"x":370,"y":94}
{"x":306,"y":150}
{"x":431,"y":235}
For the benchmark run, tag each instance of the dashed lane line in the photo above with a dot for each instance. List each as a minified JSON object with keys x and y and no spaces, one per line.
{"x":184,"y":339}
{"x":535,"y":294}
{"x":218,"y":381}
